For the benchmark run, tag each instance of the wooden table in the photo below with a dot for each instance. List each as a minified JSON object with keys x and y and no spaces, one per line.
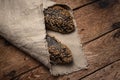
{"x":100,"y":39}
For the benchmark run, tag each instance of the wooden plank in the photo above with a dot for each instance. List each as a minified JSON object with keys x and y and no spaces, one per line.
{"x":100,"y":53}
{"x":111,"y":72}
{"x":13,"y":61}
{"x":37,"y":74}
{"x":73,"y":3}
{"x":94,"y":21}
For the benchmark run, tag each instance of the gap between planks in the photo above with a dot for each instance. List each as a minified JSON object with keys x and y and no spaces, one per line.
{"x":99,"y":69}
{"x":85,"y":43}
{"x":85,"y":5}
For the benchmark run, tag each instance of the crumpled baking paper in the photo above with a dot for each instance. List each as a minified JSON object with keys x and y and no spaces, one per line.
{"x":22,"y":24}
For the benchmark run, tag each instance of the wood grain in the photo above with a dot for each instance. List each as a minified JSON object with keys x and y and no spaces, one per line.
{"x":94,"y":21}
{"x":37,"y":74}
{"x":111,"y":72}
{"x":73,"y":3}
{"x":100,"y":53}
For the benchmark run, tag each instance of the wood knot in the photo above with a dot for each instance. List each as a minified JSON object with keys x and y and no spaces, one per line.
{"x":11,"y":74}
{"x":106,"y":3}
{"x":103,"y":3}
{"x":116,"y":25}
{"x":117,"y":34}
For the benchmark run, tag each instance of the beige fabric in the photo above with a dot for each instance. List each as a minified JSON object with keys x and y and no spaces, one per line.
{"x":22,"y":23}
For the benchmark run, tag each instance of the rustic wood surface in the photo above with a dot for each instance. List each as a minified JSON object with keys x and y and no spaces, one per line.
{"x":94,"y":21}
{"x":111,"y":72}
{"x":101,"y":45}
{"x":74,"y":3}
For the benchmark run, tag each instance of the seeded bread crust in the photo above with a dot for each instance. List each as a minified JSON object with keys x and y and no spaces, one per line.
{"x":59,"y":53}
{"x":59,"y":19}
